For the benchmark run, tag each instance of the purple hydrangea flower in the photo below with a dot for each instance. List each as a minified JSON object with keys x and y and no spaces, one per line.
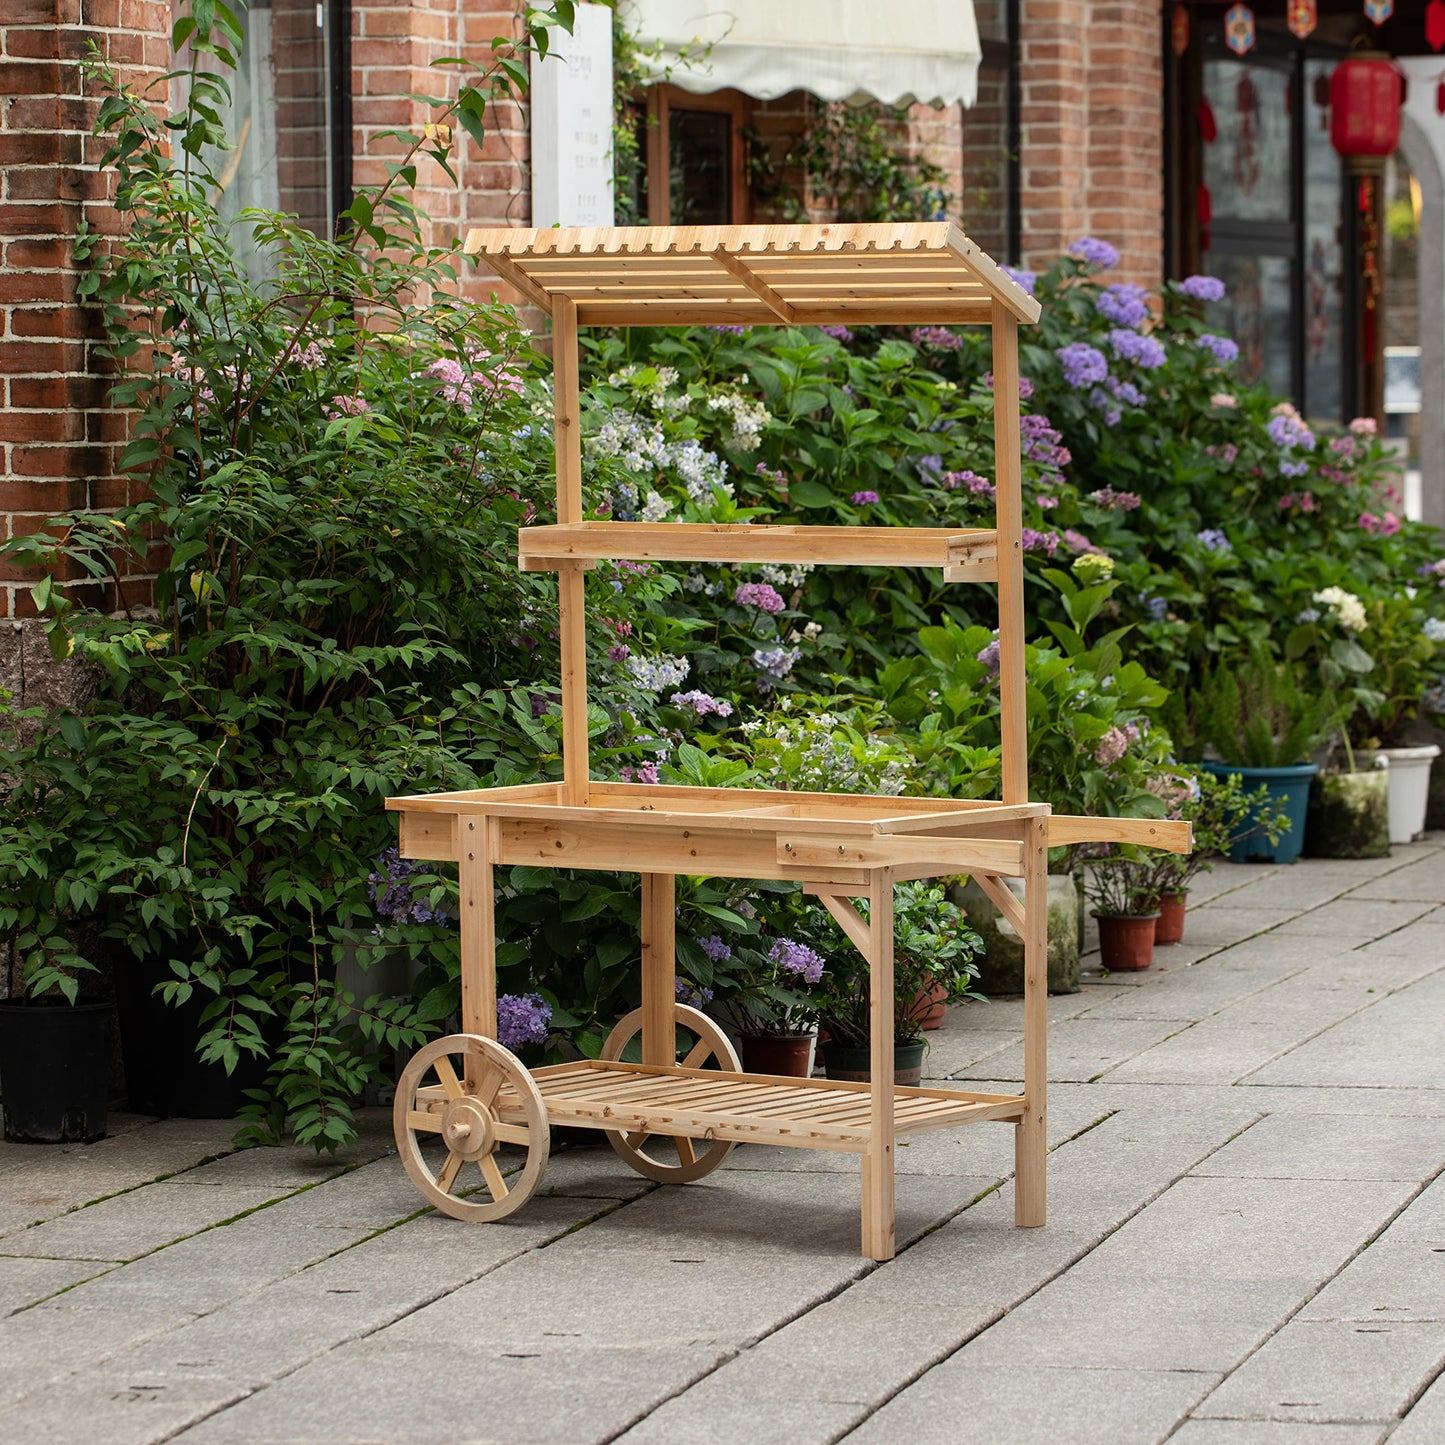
{"x":1203,"y":288}
{"x":686,"y":993}
{"x":702,"y":703}
{"x":1288,"y":431}
{"x":797,"y":958}
{"x":1115,"y":743}
{"x":761,"y":595}
{"x":1045,"y":542}
{"x":1042,"y":441}
{"x":1020,"y":277}
{"x":989,"y":656}
{"x":864,"y":499}
{"x":1102,"y":401}
{"x":1115,"y":501}
{"x":775,"y":662}
{"x":1080,"y":544}
{"x":838,"y":333}
{"x":1213,"y":540}
{"x":1083,"y":366}
{"x":1157,"y":608}
{"x":391,"y":890}
{"x":522,"y":1019}
{"x":1095,"y":252}
{"x":1124,"y":304}
{"x":715,"y":948}
{"x":938,"y":338}
{"x":1224,"y":351}
{"x":955,"y":481}
{"x":1144,"y":351}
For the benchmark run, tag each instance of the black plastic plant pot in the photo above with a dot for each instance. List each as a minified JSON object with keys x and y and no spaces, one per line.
{"x":54,"y":1070}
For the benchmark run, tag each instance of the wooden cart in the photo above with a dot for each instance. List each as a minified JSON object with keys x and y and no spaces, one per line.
{"x":675,"y":1115}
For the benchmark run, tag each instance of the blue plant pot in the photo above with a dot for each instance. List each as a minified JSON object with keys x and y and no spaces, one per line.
{"x":1289,"y":788}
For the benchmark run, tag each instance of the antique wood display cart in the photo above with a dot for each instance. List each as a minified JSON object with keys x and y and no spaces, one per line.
{"x":674,"y":1118}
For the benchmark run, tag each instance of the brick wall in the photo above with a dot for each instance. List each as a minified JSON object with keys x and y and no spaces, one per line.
{"x":1092,"y":154}
{"x":58,"y":441}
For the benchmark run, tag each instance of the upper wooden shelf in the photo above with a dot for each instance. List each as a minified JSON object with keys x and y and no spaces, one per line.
{"x":965,"y":554}
{"x":925,"y":273}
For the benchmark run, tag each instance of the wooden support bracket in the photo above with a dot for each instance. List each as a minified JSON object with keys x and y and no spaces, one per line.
{"x":1004,"y":900}
{"x":848,"y":919}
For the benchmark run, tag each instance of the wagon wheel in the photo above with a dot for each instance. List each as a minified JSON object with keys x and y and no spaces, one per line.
{"x":673,"y":1160}
{"x":456,"y":1103}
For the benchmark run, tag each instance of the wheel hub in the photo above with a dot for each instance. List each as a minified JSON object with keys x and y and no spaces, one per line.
{"x":467,"y":1128}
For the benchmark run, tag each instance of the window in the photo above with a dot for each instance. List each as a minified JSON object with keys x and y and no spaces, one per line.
{"x":696,"y":173}
{"x":290,"y":119}
{"x":1257,"y":198}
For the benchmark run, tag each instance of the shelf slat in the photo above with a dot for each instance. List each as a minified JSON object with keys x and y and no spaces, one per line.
{"x":698,"y":1103}
{"x":543,"y":549}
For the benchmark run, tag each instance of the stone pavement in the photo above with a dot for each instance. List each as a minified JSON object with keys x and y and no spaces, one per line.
{"x":1246,"y":1246}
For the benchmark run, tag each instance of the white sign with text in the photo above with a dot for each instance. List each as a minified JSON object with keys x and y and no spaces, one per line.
{"x":572,"y":124}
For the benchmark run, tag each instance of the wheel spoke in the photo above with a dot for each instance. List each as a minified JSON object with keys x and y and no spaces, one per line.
{"x":685,"y":1152}
{"x":426,"y":1122}
{"x":493,"y":1176}
{"x":637,"y":1140}
{"x":447,"y":1175}
{"x":699,"y":1051}
{"x":490,"y":1085}
{"x":448,"y":1077}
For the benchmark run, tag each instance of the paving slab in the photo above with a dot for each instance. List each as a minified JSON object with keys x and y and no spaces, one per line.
{"x":1329,"y":1146}
{"x":132,"y":1224}
{"x":28,"y":1281}
{"x":1273,"y":1432}
{"x":1420,"y":881}
{"x":1332,"y":1370}
{"x":1026,"y":1404}
{"x":462,"y":1390}
{"x":1394,"y":1279}
{"x":1079,"y":1048}
{"x":1425,"y":1422}
{"x":1246,"y":1229}
{"x":1394,"y":1042}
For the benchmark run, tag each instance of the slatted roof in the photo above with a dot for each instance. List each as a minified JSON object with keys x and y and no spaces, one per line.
{"x":914,"y":273}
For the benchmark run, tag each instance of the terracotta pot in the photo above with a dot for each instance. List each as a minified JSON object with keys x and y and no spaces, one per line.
{"x":1127,"y":943}
{"x":935,"y":999}
{"x":787,"y":1055}
{"x":1169,"y":928}
{"x":842,"y":1062}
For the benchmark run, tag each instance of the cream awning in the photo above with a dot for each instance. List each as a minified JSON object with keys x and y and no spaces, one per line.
{"x":925,"y":50}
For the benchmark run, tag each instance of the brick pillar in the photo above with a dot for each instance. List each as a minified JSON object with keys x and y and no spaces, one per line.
{"x":58,"y":441}
{"x":1092,"y":114}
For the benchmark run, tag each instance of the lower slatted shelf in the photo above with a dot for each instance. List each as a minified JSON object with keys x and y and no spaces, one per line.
{"x":748,"y":1108}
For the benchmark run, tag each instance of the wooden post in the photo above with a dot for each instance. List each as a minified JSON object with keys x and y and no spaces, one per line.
{"x":1031,"y":1133}
{"x":571,"y":580}
{"x":1013,"y":697}
{"x":659,"y":968}
{"x":477,"y":926}
{"x":878,"y":1161}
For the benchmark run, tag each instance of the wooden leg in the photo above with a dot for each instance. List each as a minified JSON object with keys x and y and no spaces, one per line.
{"x":1031,"y":1137}
{"x":478,"y":936}
{"x":878,"y":1161}
{"x":659,"y":968}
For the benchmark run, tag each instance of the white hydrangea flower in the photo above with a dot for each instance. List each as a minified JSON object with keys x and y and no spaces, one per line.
{"x":1345,"y":607}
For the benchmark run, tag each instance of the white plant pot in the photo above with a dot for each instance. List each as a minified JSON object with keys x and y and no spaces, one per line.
{"x":1409,"y":789}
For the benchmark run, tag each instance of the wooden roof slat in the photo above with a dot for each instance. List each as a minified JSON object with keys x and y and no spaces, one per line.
{"x":675,"y":275}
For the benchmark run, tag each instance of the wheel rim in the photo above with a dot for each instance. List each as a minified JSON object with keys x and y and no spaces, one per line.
{"x":669,"y":1159}
{"x":453,"y":1092}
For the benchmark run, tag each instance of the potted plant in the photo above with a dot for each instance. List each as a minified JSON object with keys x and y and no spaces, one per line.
{"x":1263,"y":724}
{"x":769,"y":996}
{"x":1222,"y":816}
{"x":1124,"y":893}
{"x":933,"y":948}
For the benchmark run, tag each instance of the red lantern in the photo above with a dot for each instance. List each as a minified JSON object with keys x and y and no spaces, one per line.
{"x":1365,"y":110}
